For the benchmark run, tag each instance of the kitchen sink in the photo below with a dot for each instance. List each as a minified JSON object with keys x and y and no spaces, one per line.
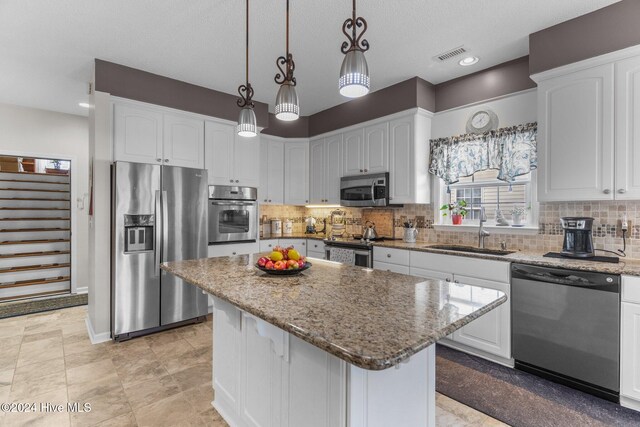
{"x":470,"y":249}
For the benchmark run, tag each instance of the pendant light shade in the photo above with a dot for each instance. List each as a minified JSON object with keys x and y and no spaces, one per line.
{"x":287,"y":103}
{"x":247,"y":123}
{"x":354,"y":74}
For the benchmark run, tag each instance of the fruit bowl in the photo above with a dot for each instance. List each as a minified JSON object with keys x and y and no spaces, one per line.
{"x":291,"y":272}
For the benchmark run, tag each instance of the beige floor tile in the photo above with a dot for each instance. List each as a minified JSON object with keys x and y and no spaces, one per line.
{"x":10,"y":341}
{"x":34,"y":371}
{"x":86,"y":391}
{"x":137,"y":347}
{"x":180,"y":355}
{"x":94,"y":354}
{"x":11,"y":329}
{"x":75,"y":337}
{"x":148,"y":392}
{"x":200,"y":398}
{"x":57,"y":396}
{"x":90,"y":372}
{"x":193,"y":376}
{"x":39,"y":351}
{"x":9,"y":356}
{"x":32,"y":387}
{"x":125,"y":420}
{"x":199,"y":335}
{"x":6,"y":377}
{"x":140,"y":370}
{"x":162,"y":338}
{"x":103,"y":407}
{"x":175,"y":348}
{"x":54,"y":333}
{"x":172,"y":411}
{"x":80,"y":345}
{"x":5,"y":391}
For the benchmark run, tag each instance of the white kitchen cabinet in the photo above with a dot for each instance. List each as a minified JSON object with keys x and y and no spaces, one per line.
{"x":491,"y":332}
{"x":627,"y":92}
{"x":296,"y":173}
{"x":394,"y":268}
{"x":268,"y":245}
{"x":409,"y":179}
{"x":315,"y":248}
{"x":353,"y":152}
{"x":325,"y":170}
{"x":630,"y":353}
{"x":316,"y":172}
{"x":231,"y":159}
{"x":137,"y":134}
{"x":390,"y":255}
{"x":183,"y":141}
{"x":271,"y":190}
{"x":227,"y":327}
{"x":376,"y":148}
{"x":430,"y":274}
{"x":231,"y":249}
{"x":366,"y":150}
{"x":299,"y":244}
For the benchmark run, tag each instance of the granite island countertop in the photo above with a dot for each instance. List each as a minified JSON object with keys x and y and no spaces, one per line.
{"x":370,"y":318}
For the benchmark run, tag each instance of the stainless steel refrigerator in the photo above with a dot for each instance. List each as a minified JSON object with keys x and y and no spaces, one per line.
{"x":159,"y":214}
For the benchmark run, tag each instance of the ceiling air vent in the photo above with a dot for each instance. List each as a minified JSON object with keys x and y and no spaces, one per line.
{"x":445,"y":56}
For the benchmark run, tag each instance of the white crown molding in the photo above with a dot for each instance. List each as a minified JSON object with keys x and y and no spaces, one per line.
{"x":486,"y":101}
{"x":596,"y":61}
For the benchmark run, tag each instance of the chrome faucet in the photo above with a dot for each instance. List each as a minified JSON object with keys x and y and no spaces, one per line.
{"x":482,"y":233}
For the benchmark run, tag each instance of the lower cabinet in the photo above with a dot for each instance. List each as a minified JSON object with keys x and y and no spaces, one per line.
{"x":268,"y":378}
{"x":387,"y":266}
{"x":231,"y":249}
{"x":315,"y":248}
{"x":630,"y":343}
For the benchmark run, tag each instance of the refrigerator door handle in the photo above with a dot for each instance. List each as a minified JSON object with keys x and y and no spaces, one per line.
{"x":165,"y":227}
{"x":158,"y":236}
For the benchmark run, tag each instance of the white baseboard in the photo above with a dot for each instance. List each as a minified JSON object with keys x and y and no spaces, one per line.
{"x":96,"y":338}
{"x":82,"y":290}
{"x":630,"y":403}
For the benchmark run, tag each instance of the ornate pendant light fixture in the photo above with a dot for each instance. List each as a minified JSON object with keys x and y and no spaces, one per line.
{"x":287,"y":103}
{"x":247,"y":123}
{"x":354,"y":73}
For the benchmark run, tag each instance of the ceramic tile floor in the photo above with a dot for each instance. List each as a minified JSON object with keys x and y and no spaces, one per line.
{"x":158,"y":380}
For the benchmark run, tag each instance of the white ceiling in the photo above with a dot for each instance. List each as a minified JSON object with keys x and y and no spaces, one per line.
{"x":47,"y":47}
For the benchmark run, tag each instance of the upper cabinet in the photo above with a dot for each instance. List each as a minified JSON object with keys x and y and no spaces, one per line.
{"x":325,"y":170}
{"x":183,"y":141}
{"x":296,"y":173}
{"x":366,"y":150}
{"x":589,"y":130}
{"x":271,"y":190}
{"x":231,"y":159}
{"x":408,"y":153}
{"x":628,"y":129}
{"x":145,"y":134}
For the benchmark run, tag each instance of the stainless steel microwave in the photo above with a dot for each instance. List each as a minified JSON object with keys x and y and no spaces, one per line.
{"x":233,"y":214}
{"x":365,"y":190}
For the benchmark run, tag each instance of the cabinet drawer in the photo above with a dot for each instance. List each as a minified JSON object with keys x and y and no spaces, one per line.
{"x":315,"y":254}
{"x":497,"y":271}
{"x":268,"y":245}
{"x":391,"y":256}
{"x":232,"y":249}
{"x":631,"y":289}
{"x":385,"y":266}
{"x":315,"y":245}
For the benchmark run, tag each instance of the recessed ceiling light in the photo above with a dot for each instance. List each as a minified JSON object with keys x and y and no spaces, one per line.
{"x":469,"y":60}
{"x":84,"y":104}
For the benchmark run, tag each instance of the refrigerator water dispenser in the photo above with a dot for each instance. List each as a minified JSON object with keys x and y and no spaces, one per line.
{"x":138,"y":233}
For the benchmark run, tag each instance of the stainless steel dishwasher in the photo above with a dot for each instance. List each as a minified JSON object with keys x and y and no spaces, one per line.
{"x":566,"y":327}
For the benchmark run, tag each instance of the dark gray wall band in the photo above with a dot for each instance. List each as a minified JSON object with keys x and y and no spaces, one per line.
{"x":605,"y":30}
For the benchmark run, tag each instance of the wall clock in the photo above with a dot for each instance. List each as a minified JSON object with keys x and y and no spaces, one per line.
{"x":482,"y":121}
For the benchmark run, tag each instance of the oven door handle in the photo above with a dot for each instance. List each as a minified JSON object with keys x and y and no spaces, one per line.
{"x":231,"y":203}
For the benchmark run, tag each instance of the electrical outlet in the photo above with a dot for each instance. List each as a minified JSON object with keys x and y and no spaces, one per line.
{"x":619,"y":227}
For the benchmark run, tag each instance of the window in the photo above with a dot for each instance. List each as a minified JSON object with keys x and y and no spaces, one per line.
{"x":484,"y":189}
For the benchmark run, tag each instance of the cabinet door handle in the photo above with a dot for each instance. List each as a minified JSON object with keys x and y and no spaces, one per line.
{"x":306,"y":201}
{"x":361,"y":170}
{"x":366,"y":170}
{"x":166,"y":160}
{"x":269,"y":200}
{"x":234,"y":253}
{"x":265,"y":200}
{"x":606,"y":191}
{"x":456,"y":281}
{"x":622,"y":191}
{"x":388,"y":255}
{"x":231,"y":181}
{"x":159,"y":160}
{"x":447,"y":280}
{"x":237,"y":181}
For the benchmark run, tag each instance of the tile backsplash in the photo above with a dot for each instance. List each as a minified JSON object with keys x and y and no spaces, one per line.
{"x":549,"y":238}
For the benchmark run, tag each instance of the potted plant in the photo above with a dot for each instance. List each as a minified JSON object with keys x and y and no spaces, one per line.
{"x":518,"y":215}
{"x":457,"y":211}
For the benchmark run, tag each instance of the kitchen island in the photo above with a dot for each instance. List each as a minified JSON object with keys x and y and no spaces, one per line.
{"x":334,"y":346}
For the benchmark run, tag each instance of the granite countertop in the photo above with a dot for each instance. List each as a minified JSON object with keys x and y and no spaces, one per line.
{"x":372,"y":319}
{"x":629,"y":267}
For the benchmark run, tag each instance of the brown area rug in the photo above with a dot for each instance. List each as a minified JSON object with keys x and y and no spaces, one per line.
{"x":521,"y":399}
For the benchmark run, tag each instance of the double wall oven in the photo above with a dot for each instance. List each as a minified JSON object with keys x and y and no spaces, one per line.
{"x":233,"y":214}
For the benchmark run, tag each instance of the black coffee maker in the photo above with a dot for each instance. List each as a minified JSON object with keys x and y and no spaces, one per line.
{"x":578,"y":237}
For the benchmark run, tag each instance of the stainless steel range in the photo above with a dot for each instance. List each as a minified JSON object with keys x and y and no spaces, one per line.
{"x":352,"y":251}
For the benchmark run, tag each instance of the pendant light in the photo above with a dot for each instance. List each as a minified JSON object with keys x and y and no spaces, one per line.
{"x":287,"y":103}
{"x":354,"y":73}
{"x":247,"y":123}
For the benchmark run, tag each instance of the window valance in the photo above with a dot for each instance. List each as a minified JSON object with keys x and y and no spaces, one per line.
{"x":512,"y":151}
